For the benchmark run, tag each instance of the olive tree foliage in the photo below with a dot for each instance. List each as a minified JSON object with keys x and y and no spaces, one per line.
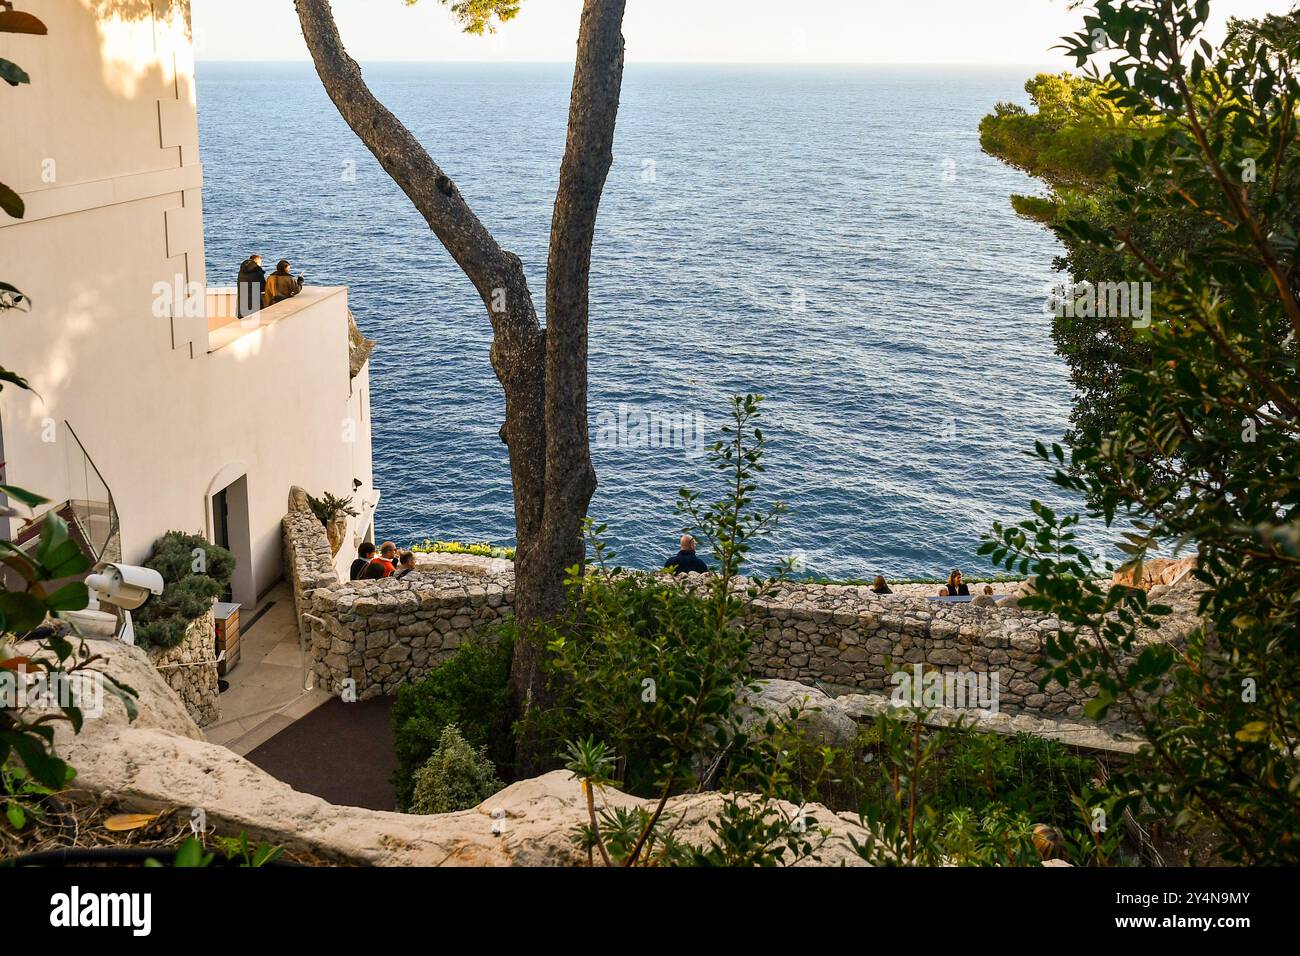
{"x":1217,"y":404}
{"x":1070,"y":142}
{"x":477,"y":16}
{"x":11,"y":204}
{"x":543,"y":371}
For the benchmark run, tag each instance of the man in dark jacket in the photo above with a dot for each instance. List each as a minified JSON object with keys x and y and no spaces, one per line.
{"x":252,"y":286}
{"x":364,"y":555}
{"x":685,"y":561}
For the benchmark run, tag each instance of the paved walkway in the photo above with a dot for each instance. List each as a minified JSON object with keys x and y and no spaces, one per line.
{"x":268,"y":686}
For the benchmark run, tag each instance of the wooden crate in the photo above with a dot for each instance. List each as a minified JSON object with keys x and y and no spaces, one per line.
{"x":227,"y":618}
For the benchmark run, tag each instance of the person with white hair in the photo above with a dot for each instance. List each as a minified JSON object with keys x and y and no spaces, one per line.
{"x":686,"y":561}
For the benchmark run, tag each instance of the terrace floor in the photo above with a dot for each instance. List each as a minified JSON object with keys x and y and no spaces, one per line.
{"x":267,"y":690}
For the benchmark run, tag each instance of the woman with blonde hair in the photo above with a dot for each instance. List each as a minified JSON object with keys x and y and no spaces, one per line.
{"x":880,"y":585}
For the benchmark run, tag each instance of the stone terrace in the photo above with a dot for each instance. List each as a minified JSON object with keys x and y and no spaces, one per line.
{"x":843,"y":638}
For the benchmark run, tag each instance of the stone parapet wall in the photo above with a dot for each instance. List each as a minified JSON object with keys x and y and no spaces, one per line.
{"x":190,"y":669}
{"x":382,"y":634}
{"x":308,"y":561}
{"x":848,"y":639}
{"x":843,"y":638}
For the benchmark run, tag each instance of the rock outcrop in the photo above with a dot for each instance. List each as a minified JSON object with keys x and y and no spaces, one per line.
{"x":161,"y":760}
{"x":360,"y":348}
{"x":824,"y":721}
{"x":1156,"y":572}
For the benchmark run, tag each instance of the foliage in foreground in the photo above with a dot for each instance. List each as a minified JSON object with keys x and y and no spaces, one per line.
{"x":944,"y":795}
{"x":456,"y":777}
{"x":471,"y":691}
{"x":1219,"y":402}
{"x":653,"y":670}
{"x":11,"y":204}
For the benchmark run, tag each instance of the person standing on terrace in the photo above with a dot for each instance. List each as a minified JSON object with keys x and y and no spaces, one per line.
{"x":387,"y":558}
{"x":252,"y":286}
{"x":281,"y":285}
{"x":405,"y":564}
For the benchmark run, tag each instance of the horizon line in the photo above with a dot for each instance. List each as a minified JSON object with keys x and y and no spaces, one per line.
{"x":916,"y":63}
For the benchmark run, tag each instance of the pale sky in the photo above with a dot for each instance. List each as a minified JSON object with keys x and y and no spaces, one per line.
{"x":670,"y":31}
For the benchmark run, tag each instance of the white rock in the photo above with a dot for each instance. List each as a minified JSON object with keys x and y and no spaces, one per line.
{"x":825,"y":721}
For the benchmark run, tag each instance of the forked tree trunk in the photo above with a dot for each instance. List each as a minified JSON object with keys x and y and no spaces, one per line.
{"x":543,"y":371}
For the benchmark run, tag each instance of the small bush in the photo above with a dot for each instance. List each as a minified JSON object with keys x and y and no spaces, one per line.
{"x":331,"y":507}
{"x":472,"y":691}
{"x":456,"y":777}
{"x":195,"y":573}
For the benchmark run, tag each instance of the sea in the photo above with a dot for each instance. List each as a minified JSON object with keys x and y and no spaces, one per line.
{"x":831,"y":238}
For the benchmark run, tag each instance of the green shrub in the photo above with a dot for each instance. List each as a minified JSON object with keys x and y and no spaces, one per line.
{"x":654,"y":667}
{"x":456,"y":777}
{"x":472,"y":691}
{"x":195,"y":573}
{"x":1029,"y":775}
{"x":645,"y":652}
{"x":948,"y":795}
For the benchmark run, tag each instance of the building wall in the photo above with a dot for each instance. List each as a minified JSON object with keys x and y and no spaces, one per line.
{"x":103,"y":147}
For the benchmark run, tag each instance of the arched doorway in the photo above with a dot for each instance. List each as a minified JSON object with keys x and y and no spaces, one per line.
{"x":228,"y":527}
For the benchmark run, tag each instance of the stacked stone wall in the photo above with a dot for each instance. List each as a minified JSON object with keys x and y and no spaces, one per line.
{"x":377,"y":635}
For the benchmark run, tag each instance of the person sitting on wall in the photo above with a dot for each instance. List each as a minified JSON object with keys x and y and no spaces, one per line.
{"x":251,"y":287}
{"x":686,"y":561}
{"x":956,"y":587}
{"x":880,"y":585}
{"x":364,"y":554}
{"x":281,"y":285}
{"x":405,"y":564}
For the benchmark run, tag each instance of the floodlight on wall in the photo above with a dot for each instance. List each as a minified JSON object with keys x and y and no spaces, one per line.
{"x":126,"y":588}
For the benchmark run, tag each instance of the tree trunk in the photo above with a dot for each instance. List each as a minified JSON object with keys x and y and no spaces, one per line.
{"x":543,"y":372}
{"x":570,"y":476}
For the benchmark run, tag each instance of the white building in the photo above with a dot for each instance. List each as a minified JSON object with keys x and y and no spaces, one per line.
{"x":153,"y":408}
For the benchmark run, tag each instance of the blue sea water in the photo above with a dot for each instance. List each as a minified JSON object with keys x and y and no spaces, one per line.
{"x":830,"y":237}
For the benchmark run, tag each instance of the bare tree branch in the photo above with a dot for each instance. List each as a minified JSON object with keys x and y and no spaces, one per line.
{"x":494,"y":271}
